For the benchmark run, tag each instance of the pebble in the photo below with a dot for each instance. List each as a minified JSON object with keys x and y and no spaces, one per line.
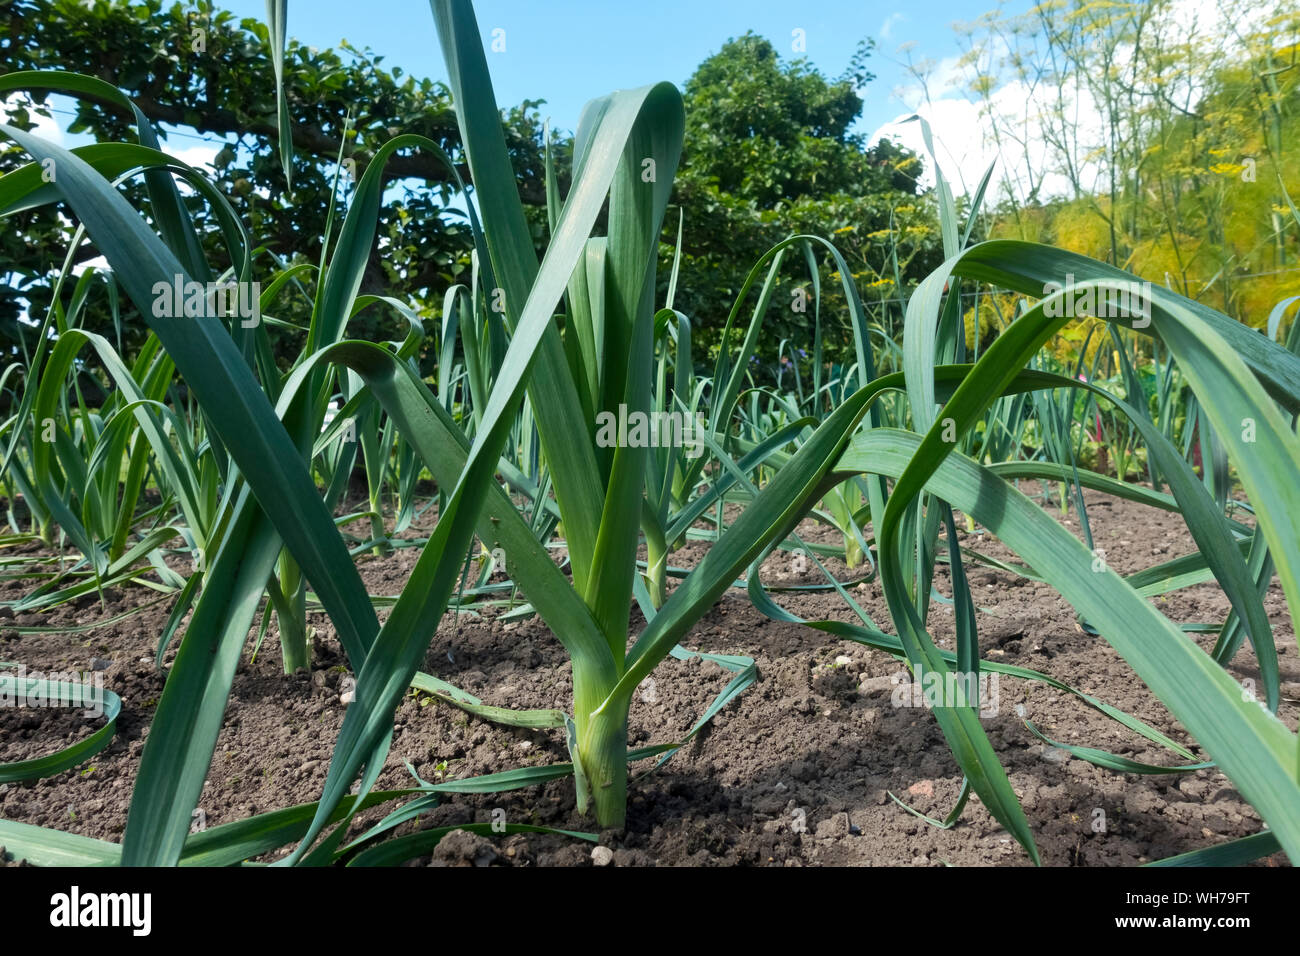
{"x":922,"y":788}
{"x":843,"y":661}
{"x":876,"y":685}
{"x":836,"y":827}
{"x":602,"y":856}
{"x":347,"y":690}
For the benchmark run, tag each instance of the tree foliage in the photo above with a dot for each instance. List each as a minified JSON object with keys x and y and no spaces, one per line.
{"x":770,"y":151}
{"x":193,"y":67}
{"x":1160,"y":136}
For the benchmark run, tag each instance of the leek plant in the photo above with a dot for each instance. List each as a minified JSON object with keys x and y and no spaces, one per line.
{"x":775,"y":421}
{"x":683,"y":487}
{"x":628,"y":145}
{"x":84,"y":470}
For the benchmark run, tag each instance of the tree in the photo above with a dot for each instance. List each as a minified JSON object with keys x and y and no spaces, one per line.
{"x":1167,"y":132}
{"x":192,"y":67}
{"x":770,"y":151}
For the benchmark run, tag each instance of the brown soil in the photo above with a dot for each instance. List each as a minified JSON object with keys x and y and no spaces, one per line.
{"x":815,"y":742}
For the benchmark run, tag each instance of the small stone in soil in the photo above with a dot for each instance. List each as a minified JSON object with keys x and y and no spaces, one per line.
{"x":922,"y":788}
{"x":602,"y":856}
{"x":875,"y":685}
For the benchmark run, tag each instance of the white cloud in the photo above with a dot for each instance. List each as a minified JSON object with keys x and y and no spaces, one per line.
{"x":956,"y":129}
{"x":199,"y":155}
{"x":887,"y":28}
{"x":47,"y":127}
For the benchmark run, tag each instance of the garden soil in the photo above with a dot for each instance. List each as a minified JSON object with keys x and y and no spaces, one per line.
{"x":810,"y":766}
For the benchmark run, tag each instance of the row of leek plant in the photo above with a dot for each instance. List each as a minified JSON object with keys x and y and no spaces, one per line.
{"x":269,"y":426}
{"x":1246,"y":391}
{"x":86,"y":472}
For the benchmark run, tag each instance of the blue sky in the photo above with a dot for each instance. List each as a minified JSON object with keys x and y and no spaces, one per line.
{"x":571,"y":50}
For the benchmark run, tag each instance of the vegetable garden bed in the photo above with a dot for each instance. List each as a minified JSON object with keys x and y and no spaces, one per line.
{"x":817,"y":733}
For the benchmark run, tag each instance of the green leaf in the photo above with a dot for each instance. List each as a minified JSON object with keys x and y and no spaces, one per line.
{"x":15,"y":688}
